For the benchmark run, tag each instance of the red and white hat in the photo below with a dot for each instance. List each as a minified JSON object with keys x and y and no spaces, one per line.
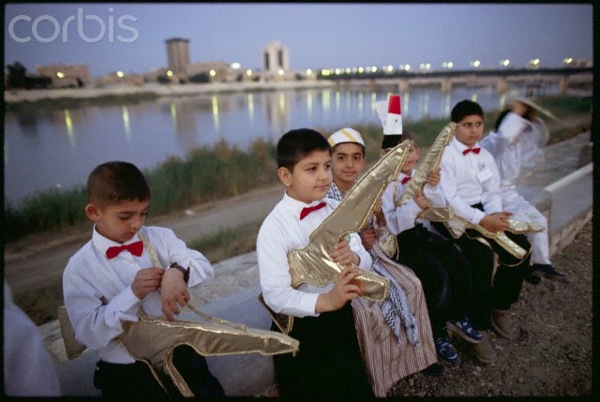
{"x":389,"y":113}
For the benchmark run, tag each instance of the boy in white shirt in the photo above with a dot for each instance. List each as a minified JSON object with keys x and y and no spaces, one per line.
{"x":471,"y":185}
{"x":516,"y":144}
{"x":329,"y":363}
{"x":112,"y":277}
{"x":439,"y":265}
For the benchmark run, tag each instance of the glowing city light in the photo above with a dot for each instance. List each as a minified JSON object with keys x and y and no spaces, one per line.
{"x":169,"y":73}
{"x":60,"y":74}
{"x":504,"y":62}
{"x":235,"y":66}
{"x":475,"y":63}
{"x":212,"y":73}
{"x":120,"y":74}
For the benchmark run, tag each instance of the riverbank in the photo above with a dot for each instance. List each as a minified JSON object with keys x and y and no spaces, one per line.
{"x":149,"y":91}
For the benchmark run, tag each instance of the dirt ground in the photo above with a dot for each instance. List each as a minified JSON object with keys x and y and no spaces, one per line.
{"x":553,"y":356}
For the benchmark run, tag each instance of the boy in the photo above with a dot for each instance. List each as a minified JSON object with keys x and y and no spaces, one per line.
{"x":441,"y":268}
{"x":394,"y":335}
{"x":471,"y":186}
{"x":329,"y":363}
{"x":515,"y":143}
{"x":112,"y":277}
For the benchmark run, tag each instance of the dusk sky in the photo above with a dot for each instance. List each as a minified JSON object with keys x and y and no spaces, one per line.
{"x":317,"y":35}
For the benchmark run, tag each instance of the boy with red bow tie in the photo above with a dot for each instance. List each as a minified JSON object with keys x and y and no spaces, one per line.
{"x":442,"y":269}
{"x":328,"y":365}
{"x":471,"y":186}
{"x":113,"y":276}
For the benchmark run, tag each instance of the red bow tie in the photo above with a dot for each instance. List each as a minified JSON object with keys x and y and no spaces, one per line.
{"x":406,"y":180}
{"x":474,"y":150}
{"x":134,"y":248}
{"x":307,"y":210}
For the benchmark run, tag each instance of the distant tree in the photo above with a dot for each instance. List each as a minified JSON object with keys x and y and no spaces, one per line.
{"x":163,"y":79}
{"x":200,"y":78}
{"x":16,"y":75}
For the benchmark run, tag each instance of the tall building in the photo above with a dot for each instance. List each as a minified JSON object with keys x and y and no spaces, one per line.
{"x":178,"y":53}
{"x":276,"y":57}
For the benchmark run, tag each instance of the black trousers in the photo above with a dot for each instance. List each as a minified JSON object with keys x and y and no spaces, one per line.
{"x":443,"y":271}
{"x":136,"y":381}
{"x":501,"y":290}
{"x":328,"y":365}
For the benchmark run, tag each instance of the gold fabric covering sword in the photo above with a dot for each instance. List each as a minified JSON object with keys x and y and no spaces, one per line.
{"x":313,"y":265}
{"x":152,"y":341}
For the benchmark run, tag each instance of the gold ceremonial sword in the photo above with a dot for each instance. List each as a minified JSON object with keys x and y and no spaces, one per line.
{"x":313,"y":265}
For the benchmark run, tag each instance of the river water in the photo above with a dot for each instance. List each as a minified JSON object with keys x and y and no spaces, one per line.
{"x":57,"y":147}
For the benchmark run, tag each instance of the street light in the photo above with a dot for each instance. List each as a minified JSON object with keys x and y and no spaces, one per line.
{"x":475,"y":63}
{"x":504,"y":62}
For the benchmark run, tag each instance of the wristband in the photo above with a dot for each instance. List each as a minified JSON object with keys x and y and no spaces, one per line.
{"x":185,"y":272}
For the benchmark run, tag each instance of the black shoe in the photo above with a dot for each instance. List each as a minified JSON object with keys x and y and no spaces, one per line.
{"x":531,"y":278}
{"x":548,"y":272}
{"x":435,"y":370}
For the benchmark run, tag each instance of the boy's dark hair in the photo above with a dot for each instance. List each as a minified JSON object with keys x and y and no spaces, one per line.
{"x":395,"y":139}
{"x":296,"y":144}
{"x":113,"y":182}
{"x":465,"y":108}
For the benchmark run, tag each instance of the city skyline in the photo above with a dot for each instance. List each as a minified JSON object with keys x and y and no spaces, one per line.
{"x":131,"y":37}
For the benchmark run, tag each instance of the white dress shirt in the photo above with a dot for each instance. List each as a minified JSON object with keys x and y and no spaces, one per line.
{"x":281,"y":232}
{"x":470,"y":179}
{"x":402,"y":218}
{"x":90,"y":277}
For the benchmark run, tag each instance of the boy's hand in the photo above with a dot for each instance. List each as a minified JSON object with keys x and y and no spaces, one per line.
{"x":496,"y":222}
{"x":146,"y":280}
{"x":343,"y":290}
{"x":174,"y":292}
{"x":368,"y":238}
{"x":421,"y":200}
{"x":343,"y":254}
{"x":433,"y":177}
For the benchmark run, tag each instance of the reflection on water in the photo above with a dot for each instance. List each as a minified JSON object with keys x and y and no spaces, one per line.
{"x":59,"y":146}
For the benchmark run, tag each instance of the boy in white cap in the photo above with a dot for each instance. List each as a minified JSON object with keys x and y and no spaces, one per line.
{"x":440,"y":266}
{"x":394,"y":335}
{"x":515,"y":143}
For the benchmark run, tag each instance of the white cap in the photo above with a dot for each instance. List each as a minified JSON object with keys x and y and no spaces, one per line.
{"x":389,"y":113}
{"x":345,"y":135}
